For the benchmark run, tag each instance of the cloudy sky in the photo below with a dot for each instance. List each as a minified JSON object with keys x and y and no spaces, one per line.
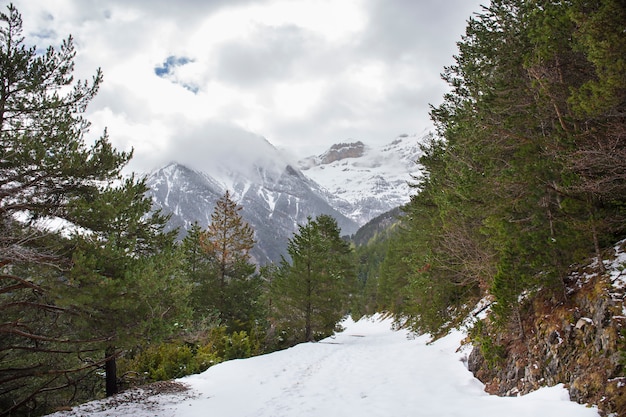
{"x":182,"y":78}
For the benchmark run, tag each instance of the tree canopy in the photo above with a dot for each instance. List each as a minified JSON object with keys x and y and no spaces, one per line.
{"x":525,"y":178}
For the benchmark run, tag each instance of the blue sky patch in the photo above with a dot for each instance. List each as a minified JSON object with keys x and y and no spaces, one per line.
{"x":168,"y":66}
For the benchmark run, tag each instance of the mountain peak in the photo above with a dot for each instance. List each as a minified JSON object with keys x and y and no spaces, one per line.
{"x":371,"y":180}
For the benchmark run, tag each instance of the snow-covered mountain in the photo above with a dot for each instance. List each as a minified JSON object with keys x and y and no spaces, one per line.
{"x":275,"y":197}
{"x":366,"y":181}
{"x":357,"y":184}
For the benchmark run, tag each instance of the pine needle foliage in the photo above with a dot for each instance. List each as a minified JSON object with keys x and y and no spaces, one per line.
{"x":311,"y":292}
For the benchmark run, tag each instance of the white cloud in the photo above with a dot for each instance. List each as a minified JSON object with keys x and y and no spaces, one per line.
{"x":305,"y":74}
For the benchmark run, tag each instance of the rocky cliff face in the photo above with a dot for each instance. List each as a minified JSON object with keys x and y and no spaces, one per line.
{"x":341,"y":151}
{"x":578,"y":342}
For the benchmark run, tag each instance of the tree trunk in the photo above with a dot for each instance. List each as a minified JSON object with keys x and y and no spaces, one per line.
{"x":594,"y":234}
{"x":110,"y":369}
{"x":308,"y":330}
{"x":308,"y":327}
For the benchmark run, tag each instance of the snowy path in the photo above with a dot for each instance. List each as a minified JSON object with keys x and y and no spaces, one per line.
{"x":368,"y":370}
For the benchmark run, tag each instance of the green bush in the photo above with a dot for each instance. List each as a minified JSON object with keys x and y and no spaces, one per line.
{"x":162,"y":362}
{"x":176,"y":359}
{"x":493,"y":353}
{"x":237,"y":345}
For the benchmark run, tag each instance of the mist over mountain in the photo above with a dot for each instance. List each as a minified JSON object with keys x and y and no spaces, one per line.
{"x":351,"y":182}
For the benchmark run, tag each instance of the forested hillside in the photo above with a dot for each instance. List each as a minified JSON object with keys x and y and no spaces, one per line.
{"x":526,"y":183}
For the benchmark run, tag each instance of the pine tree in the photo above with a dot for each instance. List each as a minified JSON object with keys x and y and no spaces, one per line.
{"x":231,"y":286}
{"x":197,"y":270}
{"x":126,"y":276}
{"x":67,"y":293}
{"x":597,"y":162}
{"x":194,"y":257}
{"x":311,"y":293}
{"x":228,"y":239}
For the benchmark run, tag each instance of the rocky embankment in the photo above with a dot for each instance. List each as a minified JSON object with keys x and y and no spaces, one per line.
{"x":579,"y":342}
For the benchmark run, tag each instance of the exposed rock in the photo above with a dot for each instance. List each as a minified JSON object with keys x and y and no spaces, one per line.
{"x":341,"y":151}
{"x":579,"y":343}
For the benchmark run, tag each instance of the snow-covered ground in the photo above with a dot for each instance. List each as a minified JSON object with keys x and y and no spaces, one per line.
{"x":367,"y":370}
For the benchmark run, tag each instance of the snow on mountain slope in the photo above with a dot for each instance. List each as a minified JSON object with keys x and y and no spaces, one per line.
{"x":366,"y":181}
{"x":275,"y":197}
{"x":367,"y":370}
{"x":351,"y":182}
